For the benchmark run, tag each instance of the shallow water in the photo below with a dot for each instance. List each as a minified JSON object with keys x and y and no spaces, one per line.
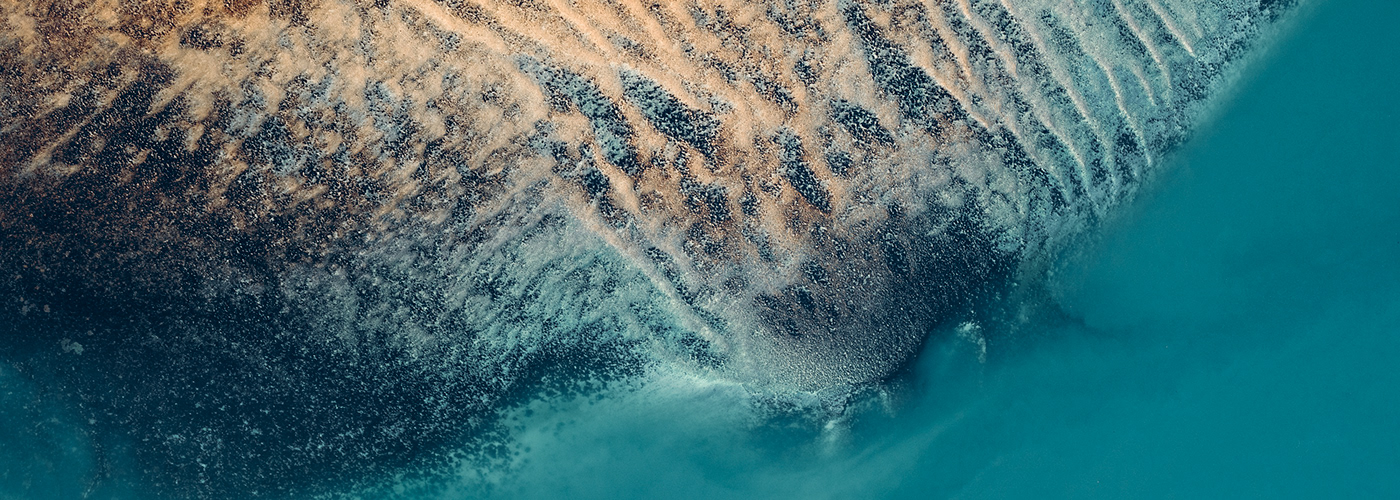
{"x":1232,"y":335}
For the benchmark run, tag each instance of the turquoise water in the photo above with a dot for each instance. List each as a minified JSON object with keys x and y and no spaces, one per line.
{"x":1233,"y":335}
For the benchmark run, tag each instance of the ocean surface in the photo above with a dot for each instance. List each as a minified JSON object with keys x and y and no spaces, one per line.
{"x":1233,"y":334}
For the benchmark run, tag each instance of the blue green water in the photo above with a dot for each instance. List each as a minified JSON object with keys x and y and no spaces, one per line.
{"x":1234,"y":334}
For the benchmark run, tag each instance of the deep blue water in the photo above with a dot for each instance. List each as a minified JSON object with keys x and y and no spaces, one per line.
{"x":1235,"y":334}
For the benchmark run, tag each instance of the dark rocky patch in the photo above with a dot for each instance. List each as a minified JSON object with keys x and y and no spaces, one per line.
{"x":204,"y":36}
{"x":839,"y":162}
{"x":669,"y":115}
{"x":863,"y":125}
{"x":799,"y":173}
{"x":919,"y":97}
{"x":610,"y":128}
